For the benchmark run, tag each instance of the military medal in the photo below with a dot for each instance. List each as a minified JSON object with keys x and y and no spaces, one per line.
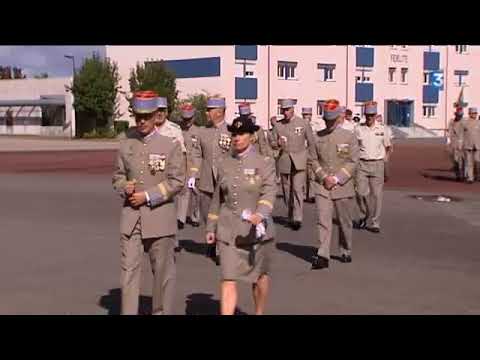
{"x":298,"y":130}
{"x":250,"y":174}
{"x":224,"y":142}
{"x":157,"y":163}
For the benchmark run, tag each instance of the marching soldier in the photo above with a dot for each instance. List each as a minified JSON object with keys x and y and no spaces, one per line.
{"x":309,"y":186}
{"x":240,"y":220}
{"x":375,"y":146}
{"x":334,"y":163}
{"x":213,"y":145}
{"x":289,"y":135}
{"x":470,"y":130}
{"x":150,"y":171}
{"x":348,"y":123}
{"x":166,"y":127}
{"x":455,"y":145}
{"x":259,"y":138}
{"x":188,"y":200}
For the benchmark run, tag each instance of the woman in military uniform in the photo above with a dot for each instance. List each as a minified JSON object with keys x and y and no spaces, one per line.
{"x":240,"y":219}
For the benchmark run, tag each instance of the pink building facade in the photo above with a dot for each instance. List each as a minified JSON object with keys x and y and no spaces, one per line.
{"x":415,"y":86}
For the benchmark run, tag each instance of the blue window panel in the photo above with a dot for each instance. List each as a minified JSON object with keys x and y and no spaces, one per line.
{"x":364,"y":56}
{"x":430,"y":94}
{"x":194,"y":68}
{"x":431,"y":60}
{"x":363,"y":92}
{"x":246,"y":88}
{"x":246,"y":52}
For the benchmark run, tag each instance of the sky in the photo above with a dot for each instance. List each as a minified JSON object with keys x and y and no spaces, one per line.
{"x":50,"y":59}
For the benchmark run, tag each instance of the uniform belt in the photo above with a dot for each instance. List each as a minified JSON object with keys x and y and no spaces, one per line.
{"x":371,"y":159}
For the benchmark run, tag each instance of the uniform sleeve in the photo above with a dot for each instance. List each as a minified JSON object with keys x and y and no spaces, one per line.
{"x":181,"y":141}
{"x":265,"y":149}
{"x":214,"y":211}
{"x":268,"y":191}
{"x":350,"y":164}
{"x":197,"y":155}
{"x":317,"y":170}
{"x":387,"y":138}
{"x":175,"y":181}
{"x":274,"y":139}
{"x":119,"y":179}
{"x":311,"y":149}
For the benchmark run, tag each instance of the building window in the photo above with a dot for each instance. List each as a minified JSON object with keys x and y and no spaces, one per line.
{"x":391,"y":74}
{"x":320,"y":104}
{"x":393,"y":47}
{"x":362,"y":77}
{"x":461,"y":75}
{"x":286,"y":70}
{"x":404,"y":73}
{"x":326,"y":71}
{"x":460,"y":49}
{"x":404,"y":47}
{"x":429,"y":111}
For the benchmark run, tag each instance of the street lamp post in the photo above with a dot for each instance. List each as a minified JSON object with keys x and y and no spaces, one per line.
{"x":71,"y":57}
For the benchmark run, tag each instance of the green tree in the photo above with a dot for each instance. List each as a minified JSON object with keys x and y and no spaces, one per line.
{"x":95,"y":88}
{"x":155,"y":76}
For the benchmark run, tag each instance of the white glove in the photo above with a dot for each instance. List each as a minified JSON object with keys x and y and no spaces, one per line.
{"x":259,"y":229}
{"x":191,"y":183}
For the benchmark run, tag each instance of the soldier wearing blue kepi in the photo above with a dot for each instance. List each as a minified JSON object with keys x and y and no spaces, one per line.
{"x":334,"y":163}
{"x":165,"y":127}
{"x":375,"y":146}
{"x":213,"y":145}
{"x":293,"y":137}
{"x":150,"y":171}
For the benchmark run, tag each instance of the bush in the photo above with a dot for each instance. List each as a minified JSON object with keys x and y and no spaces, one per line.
{"x":121,"y":126}
{"x":100,"y":133}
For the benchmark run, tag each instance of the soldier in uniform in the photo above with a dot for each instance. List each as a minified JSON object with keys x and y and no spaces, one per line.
{"x":150,"y":171}
{"x":289,"y":135}
{"x":309,"y":185}
{"x":188,"y":200}
{"x":166,"y":127}
{"x":213,"y":145}
{"x":470,"y":139}
{"x":455,"y":145}
{"x":260,"y":139}
{"x":375,"y":145}
{"x":348,"y":123}
{"x":240,"y":220}
{"x":334,"y":163}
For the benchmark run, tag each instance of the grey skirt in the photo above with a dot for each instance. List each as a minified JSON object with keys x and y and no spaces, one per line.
{"x":245,"y":263}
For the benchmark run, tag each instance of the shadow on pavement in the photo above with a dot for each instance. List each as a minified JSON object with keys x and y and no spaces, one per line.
{"x":281,"y":220}
{"x":112,"y":303}
{"x":204,"y":304}
{"x":194,"y":247}
{"x":301,"y":251}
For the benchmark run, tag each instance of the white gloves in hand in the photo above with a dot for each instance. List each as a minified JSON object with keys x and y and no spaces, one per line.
{"x":260,"y":228}
{"x":191,"y":183}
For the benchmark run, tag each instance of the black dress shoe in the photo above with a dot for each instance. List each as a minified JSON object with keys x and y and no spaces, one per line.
{"x":346,"y":259}
{"x":375,"y":230}
{"x":296,"y":225}
{"x":361,"y":224}
{"x":319,"y":263}
{"x":195,"y":224}
{"x":180,"y":225}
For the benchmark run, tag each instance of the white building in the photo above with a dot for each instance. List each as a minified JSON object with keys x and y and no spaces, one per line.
{"x":398,"y":77}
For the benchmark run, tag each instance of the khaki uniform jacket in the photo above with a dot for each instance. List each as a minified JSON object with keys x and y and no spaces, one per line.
{"x":337,"y":154}
{"x":172,"y":130}
{"x":214,"y":144}
{"x":262,"y":146}
{"x":455,"y":135}
{"x":297,"y":131}
{"x":243,"y":183}
{"x":470,"y":134}
{"x":191,"y":139}
{"x":158,"y":166}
